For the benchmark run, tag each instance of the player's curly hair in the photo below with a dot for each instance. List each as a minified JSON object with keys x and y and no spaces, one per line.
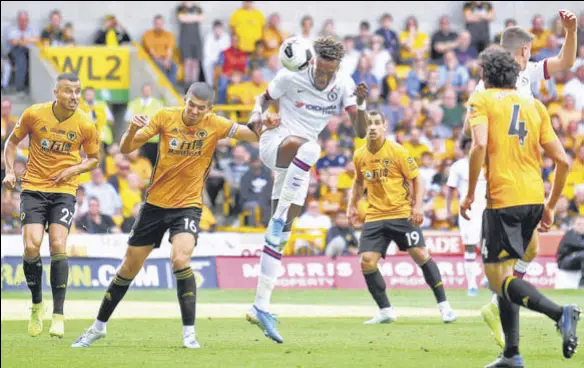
{"x":329,"y":49}
{"x":500,"y":70}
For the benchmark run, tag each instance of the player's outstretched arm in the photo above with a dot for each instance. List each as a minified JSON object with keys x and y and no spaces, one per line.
{"x":131,"y":140}
{"x":9,"y":156}
{"x":90,"y":163}
{"x":253,"y":130}
{"x":556,"y":152}
{"x":567,"y":56}
{"x":356,"y":193}
{"x":417,"y":216}
{"x":359,"y":115}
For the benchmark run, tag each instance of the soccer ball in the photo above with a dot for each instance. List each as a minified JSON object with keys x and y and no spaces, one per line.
{"x":296,"y":54}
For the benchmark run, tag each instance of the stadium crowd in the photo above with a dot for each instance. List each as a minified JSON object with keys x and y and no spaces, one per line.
{"x":420,"y":81}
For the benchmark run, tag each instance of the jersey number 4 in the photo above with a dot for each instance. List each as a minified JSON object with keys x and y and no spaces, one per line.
{"x":517,"y":127}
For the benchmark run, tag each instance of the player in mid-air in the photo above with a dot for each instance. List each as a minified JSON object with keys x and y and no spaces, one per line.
{"x":188,"y":137}
{"x":395,"y":194}
{"x":518,"y":41}
{"x":57,"y":130}
{"x":307,"y":99}
{"x":470,"y":231}
{"x":508,"y":142}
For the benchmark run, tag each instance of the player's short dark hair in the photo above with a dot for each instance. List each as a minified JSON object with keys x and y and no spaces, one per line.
{"x":500,"y":70}
{"x":329,"y":49}
{"x":376,"y":113}
{"x":202,"y":91}
{"x":71,"y":77}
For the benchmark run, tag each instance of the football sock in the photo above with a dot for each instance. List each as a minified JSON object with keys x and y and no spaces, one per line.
{"x":115,"y":292}
{"x":376,"y":286}
{"x":509,"y":313}
{"x":523,"y":293}
{"x":434,"y":280}
{"x":469,"y":269}
{"x":33,"y":272}
{"x":59,"y":278}
{"x":186,"y":291}
{"x":296,"y":177}
{"x":270,"y":268}
{"x":520,"y":268}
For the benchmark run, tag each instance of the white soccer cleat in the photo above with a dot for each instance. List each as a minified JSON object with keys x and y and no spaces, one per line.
{"x":89,"y":337}
{"x":190,"y":341}
{"x":386,"y":315}
{"x":448,"y":315}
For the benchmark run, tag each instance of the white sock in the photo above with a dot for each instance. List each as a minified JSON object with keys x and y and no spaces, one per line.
{"x":270,"y":267}
{"x":188,"y":330}
{"x":99,"y":325}
{"x":521,"y":267}
{"x":495,"y":300}
{"x":444,"y":305}
{"x":297,"y":175}
{"x":469,"y":269}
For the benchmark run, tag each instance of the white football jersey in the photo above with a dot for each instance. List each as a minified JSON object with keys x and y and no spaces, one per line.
{"x":533,"y":72}
{"x":305,"y":111}
{"x":458,"y":178}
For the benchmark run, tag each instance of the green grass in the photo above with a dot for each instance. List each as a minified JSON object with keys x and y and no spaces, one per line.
{"x":311,"y":342}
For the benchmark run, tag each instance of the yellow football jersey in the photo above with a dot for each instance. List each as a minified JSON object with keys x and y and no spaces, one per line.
{"x":517,"y":127}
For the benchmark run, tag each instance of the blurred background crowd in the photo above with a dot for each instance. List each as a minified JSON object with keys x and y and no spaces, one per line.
{"x":419,"y":80}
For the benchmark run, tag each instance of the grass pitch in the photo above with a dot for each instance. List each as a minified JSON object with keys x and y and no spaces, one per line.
{"x":412,"y":341}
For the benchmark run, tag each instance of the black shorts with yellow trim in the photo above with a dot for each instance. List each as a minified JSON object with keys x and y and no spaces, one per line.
{"x":47,"y":208}
{"x":152,"y":223}
{"x":508,"y":231}
{"x":378,"y":235}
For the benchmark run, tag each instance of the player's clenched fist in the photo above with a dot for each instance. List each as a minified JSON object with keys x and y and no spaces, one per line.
{"x":353,"y":215}
{"x":9,"y":181}
{"x":362,"y":91}
{"x":139,"y":121}
{"x":568,"y":19}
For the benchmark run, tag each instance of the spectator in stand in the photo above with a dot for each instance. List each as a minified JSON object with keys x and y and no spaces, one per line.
{"x":363,"y":72}
{"x":341,"y":239}
{"x":545,"y":90}
{"x":95,"y":221}
{"x":351,"y":59}
{"x":333,"y":163}
{"x":273,"y":36}
{"x":363,"y":41}
{"x":11,"y":223}
{"x":20,"y":38}
{"x":111,"y":203}
{"x":395,"y":111}
{"x":581,"y":29}
{"x":52,"y":35}
{"x":453,"y":110}
{"x":558,"y":30}
{"x":563,"y":217}
{"x":390,"y":39}
{"x":374,"y":100}
{"x":427,"y":169}
{"x":313,"y":218}
{"x":248,"y":24}
{"x":540,"y":34}
{"x":577,"y":203}
{"x":7,"y":69}
{"x":145,"y":105}
{"x":160,"y":44}
{"x":328,"y":30}
{"x":246,"y":92}
{"x":431,"y":90}
{"x":257,"y":60}
{"x":465,"y":52}
{"x":129,"y":221}
{"x":131,"y":195}
{"x":568,"y":112}
{"x":416,"y":79}
{"x":306,"y":26}
{"x":120,"y":180}
{"x":140,"y":166}
{"x":451,"y":73}
{"x":346,"y":131}
{"x":390,"y":80}
{"x":443,"y":40}
{"x":570,"y":254}
{"x":230,"y":60}
{"x":508,"y":23}
{"x":415,"y":147}
{"x":96,"y":111}
{"x":256,"y":191}
{"x":216,"y":42}
{"x":235,"y":172}
{"x":414,"y":43}
{"x":190,"y":15}
{"x":271,"y":69}
{"x":575,"y":87}
{"x":8,"y":120}
{"x":68,"y":37}
{"x":112,"y":34}
{"x":379,"y":57}
{"x":80,"y":203}
{"x":478,"y":15}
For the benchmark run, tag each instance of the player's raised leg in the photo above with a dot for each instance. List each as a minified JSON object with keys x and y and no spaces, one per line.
{"x":33,"y":272}
{"x":432,"y":275}
{"x":59,"y":276}
{"x":131,"y":265}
